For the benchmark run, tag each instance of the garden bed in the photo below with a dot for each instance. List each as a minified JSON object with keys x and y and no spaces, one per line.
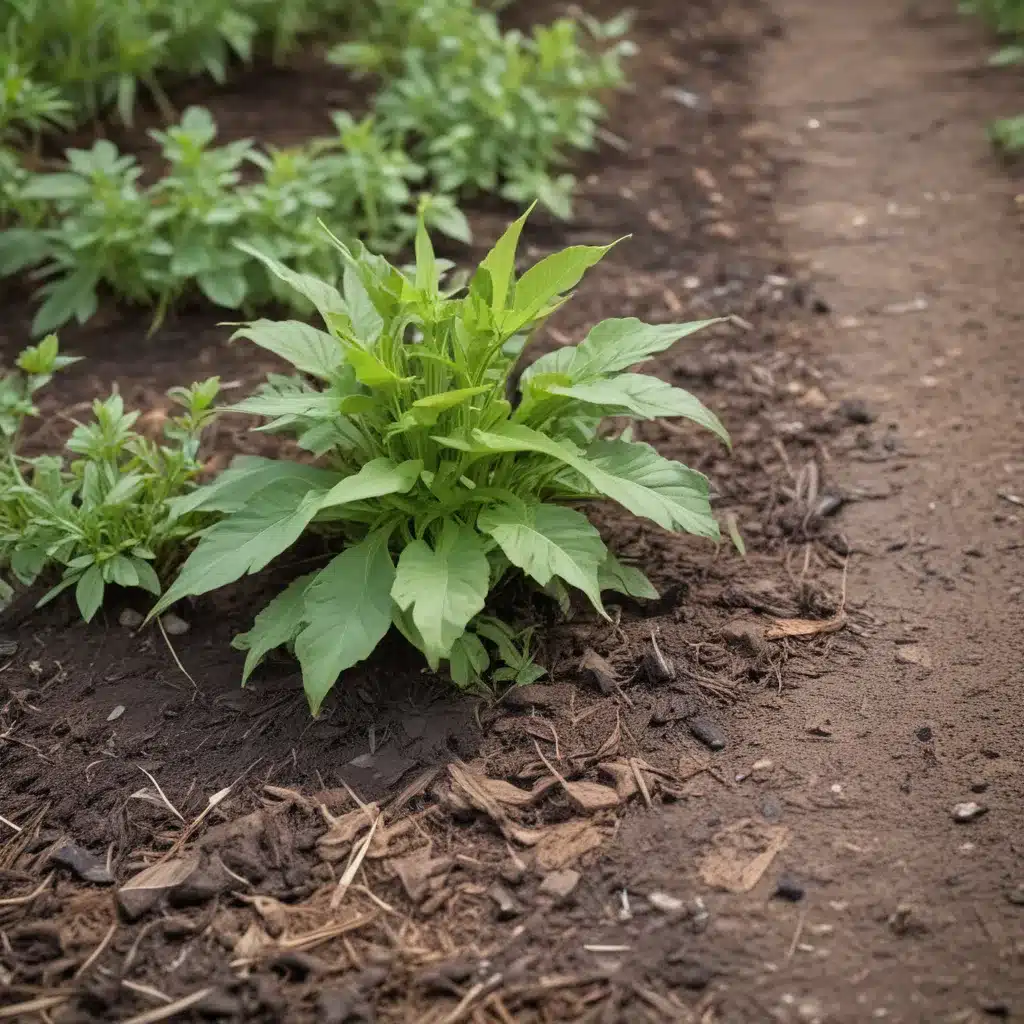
{"x":258,"y":927}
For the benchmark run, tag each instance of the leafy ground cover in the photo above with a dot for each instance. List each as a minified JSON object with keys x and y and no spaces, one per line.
{"x":1006,"y":19}
{"x":461,"y":107}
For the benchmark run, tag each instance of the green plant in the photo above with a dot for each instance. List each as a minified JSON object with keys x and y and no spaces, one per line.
{"x":102,"y":53}
{"x":491,"y":111}
{"x":27,"y":108}
{"x":432,"y":483}
{"x":94,"y":225}
{"x":1006,"y":18}
{"x":102,"y":516}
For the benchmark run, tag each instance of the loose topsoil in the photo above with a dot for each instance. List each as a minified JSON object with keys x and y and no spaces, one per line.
{"x":789,"y":790}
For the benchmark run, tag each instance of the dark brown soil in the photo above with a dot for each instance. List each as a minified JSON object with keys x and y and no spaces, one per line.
{"x":812,"y":170}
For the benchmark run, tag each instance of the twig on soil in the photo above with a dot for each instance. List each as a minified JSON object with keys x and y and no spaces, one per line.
{"x":170,"y":1010}
{"x":465,"y":1007}
{"x":797,"y":934}
{"x":147,"y":990}
{"x":353,"y":866}
{"x":15,"y":901}
{"x":163,"y":796}
{"x":174,"y":655}
{"x":39,"y":1005}
{"x":9,"y":824}
{"x":95,"y":954}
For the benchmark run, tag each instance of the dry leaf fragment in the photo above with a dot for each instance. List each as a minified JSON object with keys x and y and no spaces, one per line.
{"x":273,"y":912}
{"x":594,"y":667}
{"x":741,"y":853}
{"x":252,"y":943}
{"x":561,"y":845}
{"x":622,"y":777}
{"x":505,"y":793}
{"x":474,"y":791}
{"x":784,"y":628}
{"x":143,"y":891}
{"x":333,"y":845}
{"x":591,"y":796}
{"x":416,"y":871}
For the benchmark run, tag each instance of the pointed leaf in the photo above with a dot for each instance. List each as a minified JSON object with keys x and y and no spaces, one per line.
{"x":277,"y":624}
{"x":307,"y":349}
{"x":372,"y":372}
{"x":640,"y":395}
{"x":618,"y":344}
{"x":634,"y":475}
{"x":625,"y":579}
{"x":549,"y":540}
{"x":649,"y":485}
{"x":89,"y":592}
{"x":246,"y":541}
{"x":367,"y":323}
{"x":613,"y":345}
{"x":374,"y":480}
{"x":147,"y":577}
{"x":248,"y":475}
{"x":324,"y":296}
{"x":348,"y":610}
{"x":443,"y":587}
{"x":500,"y":262}
{"x":551,"y":277}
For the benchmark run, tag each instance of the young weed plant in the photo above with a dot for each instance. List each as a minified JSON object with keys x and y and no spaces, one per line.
{"x":434,"y":485}
{"x":102,"y":517}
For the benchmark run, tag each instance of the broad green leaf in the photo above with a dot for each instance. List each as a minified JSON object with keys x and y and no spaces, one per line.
{"x":348,"y":611}
{"x":625,"y":579}
{"x":325,"y":297}
{"x":649,"y":485}
{"x":21,"y":248}
{"x":247,"y":475}
{"x":246,"y":541}
{"x":426,"y":262}
{"x":642,"y":396}
{"x":618,"y":344}
{"x":468,"y":661}
{"x":372,"y":372}
{"x":634,"y":475}
{"x":306,"y":403}
{"x":72,"y":297}
{"x":277,"y":624}
{"x":307,"y":349}
{"x":374,"y":480}
{"x":500,"y":262}
{"x":549,"y":540}
{"x":443,"y":587}
{"x":551,"y":277}
{"x":610,"y":346}
{"x":148,"y":578}
{"x":121,"y":570}
{"x":224,"y":286}
{"x":89,"y":592}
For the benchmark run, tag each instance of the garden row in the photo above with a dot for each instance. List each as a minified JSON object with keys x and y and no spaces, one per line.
{"x":461,"y":107}
{"x":433,"y":483}
{"x":1006,"y":17}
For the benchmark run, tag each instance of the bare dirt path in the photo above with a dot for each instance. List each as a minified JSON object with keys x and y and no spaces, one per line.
{"x":910,"y":232}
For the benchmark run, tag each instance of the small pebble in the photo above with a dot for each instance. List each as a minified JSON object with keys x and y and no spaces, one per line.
{"x":175,"y":625}
{"x":506,"y":903}
{"x":979,"y":786}
{"x":560,"y":884}
{"x":968,"y":811}
{"x":1016,"y":896}
{"x":707,"y":732}
{"x":924,"y":734}
{"x":788,"y":888}
{"x":665,"y":903}
{"x":130,"y":618}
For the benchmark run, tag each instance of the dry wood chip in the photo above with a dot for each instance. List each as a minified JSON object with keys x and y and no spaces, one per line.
{"x":784,"y":628}
{"x":741,"y":853}
{"x":563,"y":844}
